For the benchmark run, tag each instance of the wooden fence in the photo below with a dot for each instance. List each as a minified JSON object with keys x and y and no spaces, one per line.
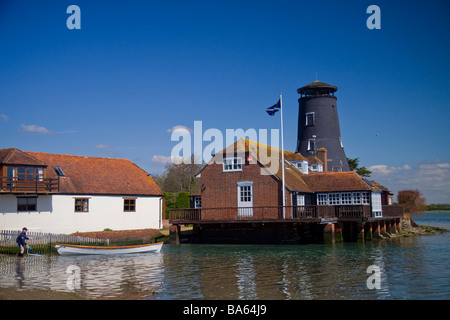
{"x":43,"y":242}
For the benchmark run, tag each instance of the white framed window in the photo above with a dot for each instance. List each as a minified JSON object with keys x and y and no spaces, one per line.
{"x":232,"y":164}
{"x":316,"y":167}
{"x":301,"y":165}
{"x":377,"y":208}
{"x":365,"y":198}
{"x":356,"y":197}
{"x":334,"y":199}
{"x":300,"y":199}
{"x":322,"y":199}
{"x":245,"y":194}
{"x":197,"y":202}
{"x":310,"y":119}
{"x":346,"y":198}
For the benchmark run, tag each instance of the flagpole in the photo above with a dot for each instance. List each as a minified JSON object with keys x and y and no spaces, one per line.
{"x":282,"y":159}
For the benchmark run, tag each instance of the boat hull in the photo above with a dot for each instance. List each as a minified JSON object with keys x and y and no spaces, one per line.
{"x":68,"y":249}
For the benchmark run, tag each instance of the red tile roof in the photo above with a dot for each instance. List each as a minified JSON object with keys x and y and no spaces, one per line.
{"x":334,"y":181}
{"x":18,"y":157}
{"x":88,"y":175}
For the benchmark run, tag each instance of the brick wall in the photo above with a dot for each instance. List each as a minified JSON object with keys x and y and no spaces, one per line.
{"x":221,"y":191}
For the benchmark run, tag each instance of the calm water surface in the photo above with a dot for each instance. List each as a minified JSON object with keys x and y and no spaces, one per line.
{"x":411,"y":268}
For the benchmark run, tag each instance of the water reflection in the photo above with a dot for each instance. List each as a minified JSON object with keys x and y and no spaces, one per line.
{"x":411,"y":268}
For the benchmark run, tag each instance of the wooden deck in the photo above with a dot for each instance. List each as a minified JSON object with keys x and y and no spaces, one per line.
{"x":313,"y":213}
{"x":37,"y":186}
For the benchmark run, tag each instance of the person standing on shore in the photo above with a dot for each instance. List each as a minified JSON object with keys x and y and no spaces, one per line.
{"x":21,"y":241}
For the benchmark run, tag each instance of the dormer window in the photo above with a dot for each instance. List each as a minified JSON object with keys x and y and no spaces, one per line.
{"x":301,"y":165}
{"x":59,"y":171}
{"x":316,"y":167}
{"x":232,"y":164}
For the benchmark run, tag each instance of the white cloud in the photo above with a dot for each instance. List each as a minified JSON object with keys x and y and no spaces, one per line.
{"x":161,"y":159}
{"x":166,"y":159}
{"x":4,"y":117}
{"x":34,"y":129}
{"x":102,"y":146}
{"x":180,"y":129}
{"x":431,"y":178}
{"x":383,"y":169}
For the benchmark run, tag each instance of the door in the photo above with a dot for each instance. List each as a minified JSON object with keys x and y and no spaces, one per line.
{"x":299,"y":210}
{"x":245,"y":199}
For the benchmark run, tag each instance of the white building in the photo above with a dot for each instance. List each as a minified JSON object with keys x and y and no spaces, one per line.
{"x":65,"y":193}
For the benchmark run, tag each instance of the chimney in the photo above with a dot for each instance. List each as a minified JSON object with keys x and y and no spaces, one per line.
{"x":322,"y":154}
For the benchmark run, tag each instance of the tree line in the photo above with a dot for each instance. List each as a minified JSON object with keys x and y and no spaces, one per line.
{"x":177,"y":182}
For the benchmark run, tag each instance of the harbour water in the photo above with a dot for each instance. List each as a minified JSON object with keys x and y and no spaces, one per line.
{"x":408,"y":268}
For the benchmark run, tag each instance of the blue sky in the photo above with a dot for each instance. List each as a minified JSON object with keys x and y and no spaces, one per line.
{"x":136,"y":69}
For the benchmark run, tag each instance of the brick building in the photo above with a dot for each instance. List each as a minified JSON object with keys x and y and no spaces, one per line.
{"x":241,"y":187}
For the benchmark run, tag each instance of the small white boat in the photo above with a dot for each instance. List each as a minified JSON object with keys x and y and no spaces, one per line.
{"x":70,"y":249}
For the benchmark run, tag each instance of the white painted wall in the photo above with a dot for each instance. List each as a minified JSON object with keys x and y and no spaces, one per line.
{"x":55,"y":214}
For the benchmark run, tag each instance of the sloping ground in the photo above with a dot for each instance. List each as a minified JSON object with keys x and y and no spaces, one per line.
{"x":143,"y":235}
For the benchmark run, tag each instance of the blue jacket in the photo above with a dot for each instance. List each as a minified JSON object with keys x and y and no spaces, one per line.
{"x":21,"y":239}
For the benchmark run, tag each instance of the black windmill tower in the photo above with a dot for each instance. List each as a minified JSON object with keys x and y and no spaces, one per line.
{"x":318,"y":125}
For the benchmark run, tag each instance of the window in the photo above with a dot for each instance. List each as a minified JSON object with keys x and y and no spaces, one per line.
{"x":59,"y":171}
{"x":311,"y":145}
{"x":26,"y":204}
{"x":346,"y":198}
{"x":365,"y":198}
{"x":81,"y":205}
{"x":26,"y":173}
{"x":316,"y":167}
{"x":232,"y":164}
{"x":129,"y":205}
{"x":300,"y":199}
{"x":377,"y":208}
{"x":302,"y":166}
{"x":197,"y":202}
{"x":334,"y":198}
{"x":245,"y":194}
{"x":336,"y":169}
{"x":356,"y":198}
{"x":310,"y":119}
{"x":322,"y":199}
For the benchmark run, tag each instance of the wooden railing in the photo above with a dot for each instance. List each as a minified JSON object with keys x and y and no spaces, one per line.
{"x":294,"y":213}
{"x":39,"y":185}
{"x":392,"y":211}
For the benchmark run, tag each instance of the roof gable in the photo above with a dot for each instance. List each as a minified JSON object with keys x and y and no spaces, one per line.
{"x":265,"y":155}
{"x":14,"y":156}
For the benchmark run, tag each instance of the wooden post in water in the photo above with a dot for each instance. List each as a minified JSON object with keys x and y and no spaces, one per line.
{"x":329,"y":235}
{"x":360,"y":231}
{"x":368,"y":231}
{"x":376,"y":229}
{"x":174,"y":234}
